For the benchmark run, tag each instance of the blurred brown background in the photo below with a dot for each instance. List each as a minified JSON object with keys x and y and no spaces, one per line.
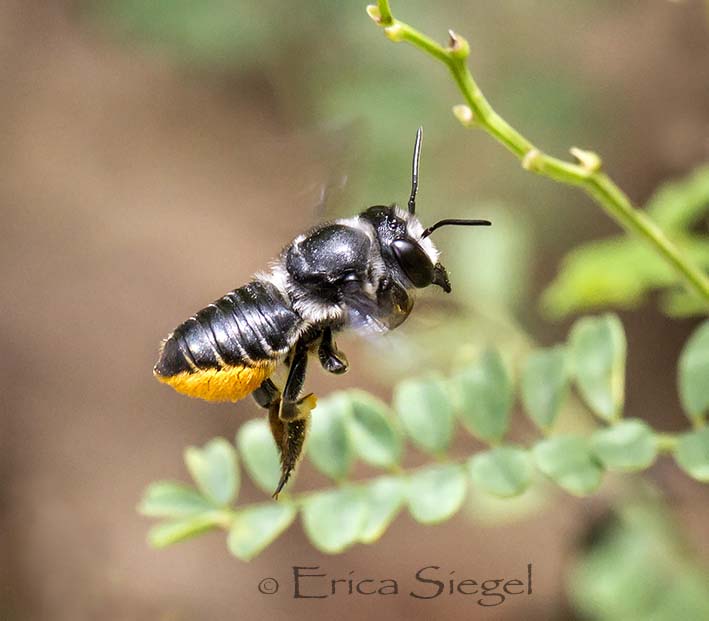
{"x":143,"y":173}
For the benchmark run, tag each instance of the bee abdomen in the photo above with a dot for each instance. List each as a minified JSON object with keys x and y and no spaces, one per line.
{"x":236,"y":340}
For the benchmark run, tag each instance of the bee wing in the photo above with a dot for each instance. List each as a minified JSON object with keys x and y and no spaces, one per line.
{"x":388,"y":310}
{"x":337,"y":153}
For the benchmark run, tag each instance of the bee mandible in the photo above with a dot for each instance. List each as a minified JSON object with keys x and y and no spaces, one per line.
{"x":354,"y":273}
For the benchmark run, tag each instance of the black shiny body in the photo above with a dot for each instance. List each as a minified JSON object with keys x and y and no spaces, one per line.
{"x":251,"y":324}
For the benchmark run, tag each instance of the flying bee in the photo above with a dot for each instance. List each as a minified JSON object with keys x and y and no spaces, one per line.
{"x":358,"y":273}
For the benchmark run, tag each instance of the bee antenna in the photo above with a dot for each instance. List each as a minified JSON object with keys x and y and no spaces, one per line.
{"x":415,"y":170}
{"x":455,"y":222}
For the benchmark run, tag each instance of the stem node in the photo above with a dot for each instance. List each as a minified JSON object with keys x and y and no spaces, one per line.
{"x":395,"y":32}
{"x":458,"y":46}
{"x":589,"y":161}
{"x":465,"y":115}
{"x":531,"y":159}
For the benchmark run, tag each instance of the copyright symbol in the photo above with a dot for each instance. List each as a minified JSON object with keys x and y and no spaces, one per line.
{"x":268,"y":586}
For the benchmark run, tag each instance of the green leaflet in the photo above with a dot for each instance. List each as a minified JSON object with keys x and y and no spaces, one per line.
{"x":628,"y":446}
{"x":256,"y":526}
{"x":328,"y":445}
{"x":504,"y":471}
{"x":569,"y":462}
{"x":172,"y":500}
{"x":259,"y":454}
{"x":485,"y":397}
{"x":372,"y":432}
{"x":693,"y":373}
{"x":599,"y":349}
{"x":435,"y":493}
{"x":545,"y":385}
{"x":215,"y":470}
{"x":692,"y":454}
{"x":426,"y":412}
{"x":334,"y":519}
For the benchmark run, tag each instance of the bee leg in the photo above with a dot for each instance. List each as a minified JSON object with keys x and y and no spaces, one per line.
{"x":331,"y":359}
{"x":266,"y":394}
{"x":289,"y":410}
{"x":290,"y":438}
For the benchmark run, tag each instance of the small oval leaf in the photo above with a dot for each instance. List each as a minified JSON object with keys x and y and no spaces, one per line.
{"x":599,"y":350}
{"x":259,"y":454}
{"x":384,"y":497}
{"x":167,"y":533}
{"x":504,"y":471}
{"x":215,"y":470}
{"x":426,"y":412}
{"x":435,"y":493}
{"x":172,"y":500}
{"x":333,"y":520}
{"x":328,"y":444}
{"x":693,"y":370}
{"x":485,"y":397}
{"x":569,"y":462}
{"x":545,"y":384}
{"x":628,"y":446}
{"x":255,"y":527}
{"x":692,"y":454}
{"x":374,"y":437}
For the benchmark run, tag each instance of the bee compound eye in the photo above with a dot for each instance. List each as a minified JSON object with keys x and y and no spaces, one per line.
{"x":414,"y":262}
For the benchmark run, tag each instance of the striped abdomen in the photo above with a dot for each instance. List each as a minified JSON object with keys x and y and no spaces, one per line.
{"x":227,"y":349}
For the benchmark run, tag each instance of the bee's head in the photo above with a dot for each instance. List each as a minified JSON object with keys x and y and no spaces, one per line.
{"x":405,"y":243}
{"x":411,"y":257}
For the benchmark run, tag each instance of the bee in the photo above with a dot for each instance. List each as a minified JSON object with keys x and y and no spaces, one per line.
{"x":356,"y":273}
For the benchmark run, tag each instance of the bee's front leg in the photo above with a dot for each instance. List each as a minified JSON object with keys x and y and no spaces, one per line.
{"x":331,"y":358}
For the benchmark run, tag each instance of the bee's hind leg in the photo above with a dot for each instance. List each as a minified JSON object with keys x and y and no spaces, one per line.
{"x":266,"y":394}
{"x":293,"y":407}
{"x":290,"y":438}
{"x":331,"y":358}
{"x":288,"y":414}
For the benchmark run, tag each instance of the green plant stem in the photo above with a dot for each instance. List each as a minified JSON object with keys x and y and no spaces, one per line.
{"x":586,"y":173}
{"x":666,"y":442}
